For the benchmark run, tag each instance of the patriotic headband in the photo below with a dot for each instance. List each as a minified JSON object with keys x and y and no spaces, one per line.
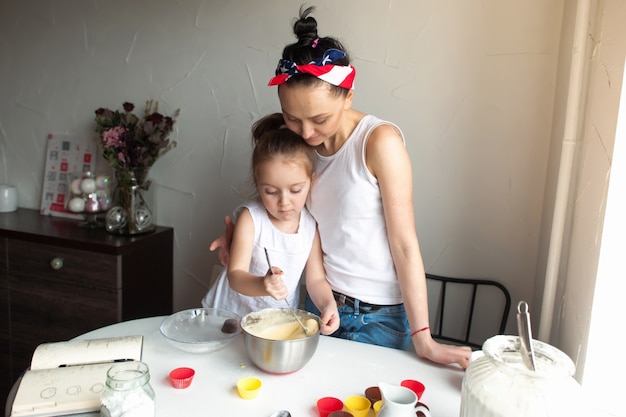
{"x":322,"y":68}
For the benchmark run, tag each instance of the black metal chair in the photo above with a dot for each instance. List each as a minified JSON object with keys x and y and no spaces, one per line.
{"x":457,"y":303}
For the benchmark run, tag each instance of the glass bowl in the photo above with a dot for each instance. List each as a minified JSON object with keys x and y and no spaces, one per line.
{"x":201,"y":330}
{"x":89,"y":193}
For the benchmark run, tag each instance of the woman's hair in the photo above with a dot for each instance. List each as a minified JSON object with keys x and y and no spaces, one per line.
{"x":272,"y":139}
{"x":310,"y":47}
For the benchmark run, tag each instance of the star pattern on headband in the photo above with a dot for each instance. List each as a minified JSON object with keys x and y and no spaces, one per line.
{"x":291,"y":68}
{"x":329,"y":56}
{"x":286,"y":67}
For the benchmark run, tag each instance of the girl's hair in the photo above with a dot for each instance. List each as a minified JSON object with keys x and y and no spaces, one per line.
{"x":310,"y":47}
{"x":272,"y":139}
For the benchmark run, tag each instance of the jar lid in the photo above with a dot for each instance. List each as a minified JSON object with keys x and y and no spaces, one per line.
{"x":549,"y":361}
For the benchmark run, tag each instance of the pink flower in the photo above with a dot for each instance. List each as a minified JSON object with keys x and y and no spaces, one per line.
{"x":112,"y":137}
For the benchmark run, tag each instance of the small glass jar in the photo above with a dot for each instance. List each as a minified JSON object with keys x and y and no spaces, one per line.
{"x":128,"y":392}
{"x":499,"y":385}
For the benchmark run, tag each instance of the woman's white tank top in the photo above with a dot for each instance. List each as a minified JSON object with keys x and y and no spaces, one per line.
{"x":347,"y":205}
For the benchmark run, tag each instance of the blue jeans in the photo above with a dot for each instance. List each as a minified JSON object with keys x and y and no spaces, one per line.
{"x":387,"y":326}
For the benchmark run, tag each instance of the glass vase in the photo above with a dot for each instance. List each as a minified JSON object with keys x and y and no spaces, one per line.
{"x":131,"y":215}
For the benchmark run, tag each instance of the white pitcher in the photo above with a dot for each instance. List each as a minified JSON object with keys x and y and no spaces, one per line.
{"x":399,"y":401}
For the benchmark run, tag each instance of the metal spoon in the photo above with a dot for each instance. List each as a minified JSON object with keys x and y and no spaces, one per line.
{"x":525,"y":335}
{"x":281,"y":413}
{"x":304,"y":328}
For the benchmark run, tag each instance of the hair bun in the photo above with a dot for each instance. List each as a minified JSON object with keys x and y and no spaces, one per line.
{"x":305,"y":28}
{"x":310,"y":46}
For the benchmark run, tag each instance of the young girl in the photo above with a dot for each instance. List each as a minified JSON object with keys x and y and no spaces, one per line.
{"x":276,"y":221}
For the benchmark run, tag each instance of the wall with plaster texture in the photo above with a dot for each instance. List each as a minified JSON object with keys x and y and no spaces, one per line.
{"x":471,"y":83}
{"x":595,"y":144}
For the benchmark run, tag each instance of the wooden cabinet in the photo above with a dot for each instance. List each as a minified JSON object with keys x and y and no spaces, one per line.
{"x":58,"y":280}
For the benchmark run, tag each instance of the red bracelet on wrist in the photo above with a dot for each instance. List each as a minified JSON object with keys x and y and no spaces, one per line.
{"x":420,"y":330}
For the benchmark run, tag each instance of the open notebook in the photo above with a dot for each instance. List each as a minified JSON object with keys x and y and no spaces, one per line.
{"x":68,"y":377}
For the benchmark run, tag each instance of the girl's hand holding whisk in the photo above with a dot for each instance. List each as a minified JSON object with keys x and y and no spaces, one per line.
{"x":274,"y":284}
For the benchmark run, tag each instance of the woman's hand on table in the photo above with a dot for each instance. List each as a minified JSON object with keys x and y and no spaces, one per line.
{"x":428,"y":348}
{"x":223,"y":242}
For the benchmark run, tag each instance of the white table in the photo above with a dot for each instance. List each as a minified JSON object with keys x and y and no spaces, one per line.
{"x":339,"y":368}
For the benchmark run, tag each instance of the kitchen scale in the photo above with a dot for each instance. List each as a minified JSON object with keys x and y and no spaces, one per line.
{"x":67,"y":378}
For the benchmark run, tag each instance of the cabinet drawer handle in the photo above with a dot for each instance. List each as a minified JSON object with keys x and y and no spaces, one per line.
{"x":56,"y":263}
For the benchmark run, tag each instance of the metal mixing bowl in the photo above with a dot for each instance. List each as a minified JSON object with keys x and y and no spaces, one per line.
{"x":278,"y":356}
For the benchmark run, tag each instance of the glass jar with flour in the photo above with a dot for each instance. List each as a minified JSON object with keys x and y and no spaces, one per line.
{"x":498,"y":384}
{"x":128,"y":391}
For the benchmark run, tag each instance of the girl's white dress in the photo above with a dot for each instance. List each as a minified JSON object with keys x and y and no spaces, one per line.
{"x":289,"y":252}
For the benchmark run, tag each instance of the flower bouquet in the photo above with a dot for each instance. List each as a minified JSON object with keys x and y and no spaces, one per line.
{"x":131,"y":145}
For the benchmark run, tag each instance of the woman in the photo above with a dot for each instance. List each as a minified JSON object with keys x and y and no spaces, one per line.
{"x":361,"y":200}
